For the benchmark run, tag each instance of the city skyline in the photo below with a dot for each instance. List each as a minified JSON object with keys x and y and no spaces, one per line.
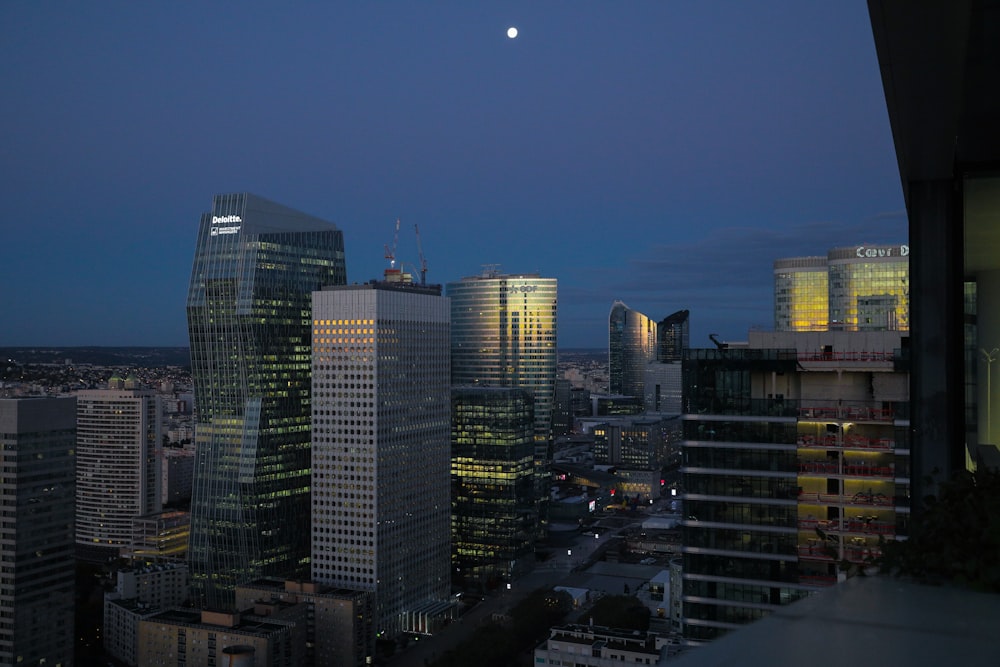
{"x":629,"y":152}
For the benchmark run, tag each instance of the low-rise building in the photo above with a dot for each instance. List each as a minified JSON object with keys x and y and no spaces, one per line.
{"x":339,"y":631}
{"x":598,"y":646}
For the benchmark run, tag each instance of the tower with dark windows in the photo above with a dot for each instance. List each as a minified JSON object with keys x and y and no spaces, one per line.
{"x":631,"y":347}
{"x":37,"y":441}
{"x":673,"y":336}
{"x":493,"y":508}
{"x":256,"y":265}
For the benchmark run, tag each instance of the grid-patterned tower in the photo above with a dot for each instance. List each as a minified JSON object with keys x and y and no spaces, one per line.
{"x":381,"y":454}
{"x":117,"y":478}
{"x":255,"y":268}
{"x":37,"y":438}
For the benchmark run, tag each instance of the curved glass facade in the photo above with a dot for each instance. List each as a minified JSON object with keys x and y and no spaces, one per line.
{"x":870,"y":288}
{"x":856,"y":288}
{"x":255,"y":268}
{"x":801,"y":299}
{"x":504,"y":334}
{"x":631,"y":347}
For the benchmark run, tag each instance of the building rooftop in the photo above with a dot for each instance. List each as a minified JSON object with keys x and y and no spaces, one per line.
{"x":866,"y":621}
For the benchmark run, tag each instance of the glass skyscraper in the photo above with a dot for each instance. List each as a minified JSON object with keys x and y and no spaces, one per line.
{"x":255,"y":268}
{"x":856,"y":288}
{"x":801,"y":294}
{"x":631,"y":347}
{"x":673,"y":336}
{"x":494,"y":513}
{"x":503,"y":334}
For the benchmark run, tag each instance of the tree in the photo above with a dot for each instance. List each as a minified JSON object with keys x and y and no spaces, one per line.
{"x":958,"y":537}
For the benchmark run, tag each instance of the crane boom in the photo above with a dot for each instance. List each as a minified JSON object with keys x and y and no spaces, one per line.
{"x":420,"y":252}
{"x":390,"y":254}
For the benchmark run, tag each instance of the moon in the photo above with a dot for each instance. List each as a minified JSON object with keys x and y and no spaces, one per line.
{"x":512,"y":32}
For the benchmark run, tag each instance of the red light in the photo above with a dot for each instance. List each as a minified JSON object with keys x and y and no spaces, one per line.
{"x":612,"y":492}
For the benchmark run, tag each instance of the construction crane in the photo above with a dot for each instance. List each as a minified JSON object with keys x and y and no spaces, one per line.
{"x":391,"y":254}
{"x":420,"y":251}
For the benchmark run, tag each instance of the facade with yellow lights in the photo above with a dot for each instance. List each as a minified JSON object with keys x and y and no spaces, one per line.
{"x":256,"y":266}
{"x":494,"y":513}
{"x":801,"y":294}
{"x":854,"y":288}
{"x":381,"y":415}
{"x":504,"y":335}
{"x":795,"y":462}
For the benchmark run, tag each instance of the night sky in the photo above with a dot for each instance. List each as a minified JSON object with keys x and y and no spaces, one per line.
{"x":663,"y":153}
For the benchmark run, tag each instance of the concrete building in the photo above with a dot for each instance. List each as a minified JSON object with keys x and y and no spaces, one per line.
{"x":381,"y":454}
{"x":117,"y":467}
{"x":793,"y":433}
{"x":160,"y":536}
{"x":191,"y":638}
{"x":339,"y":630}
{"x":598,"y":646}
{"x":177,"y":475}
{"x":139,"y":593}
{"x":256,"y":265}
{"x":37,"y":440}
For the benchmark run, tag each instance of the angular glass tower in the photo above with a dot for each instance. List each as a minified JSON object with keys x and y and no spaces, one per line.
{"x":249,"y":313}
{"x":673,"y":336}
{"x":631,"y":346}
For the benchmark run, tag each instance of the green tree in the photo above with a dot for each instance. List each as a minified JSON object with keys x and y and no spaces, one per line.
{"x":957,"y":538}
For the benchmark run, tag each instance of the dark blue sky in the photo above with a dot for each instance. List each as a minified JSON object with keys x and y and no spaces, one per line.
{"x":662,"y":153}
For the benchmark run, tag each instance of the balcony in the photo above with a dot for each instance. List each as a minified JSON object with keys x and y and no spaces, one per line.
{"x":845,"y":412}
{"x":850,"y":442}
{"x":843,"y":358}
{"x":862,"y":498}
{"x":860,"y":469}
{"x":866,"y":525}
{"x":817,"y":550}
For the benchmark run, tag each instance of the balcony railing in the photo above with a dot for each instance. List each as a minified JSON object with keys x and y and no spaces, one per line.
{"x":851,"y":357}
{"x":848,"y":470}
{"x":852,"y":553}
{"x":864,"y":525}
{"x":850,"y":442}
{"x":861,"y":498}
{"x":847,"y":413}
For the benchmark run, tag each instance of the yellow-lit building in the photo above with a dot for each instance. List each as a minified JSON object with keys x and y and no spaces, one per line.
{"x":854,"y":288}
{"x":801,"y":297}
